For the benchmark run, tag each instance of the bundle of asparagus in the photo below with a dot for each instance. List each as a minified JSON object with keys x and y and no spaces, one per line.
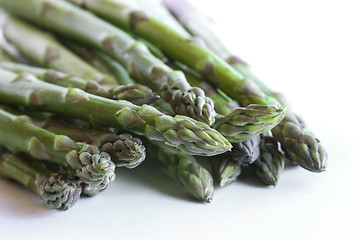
{"x":82,"y":104}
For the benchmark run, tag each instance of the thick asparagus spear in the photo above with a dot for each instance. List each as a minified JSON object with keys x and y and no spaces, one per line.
{"x":186,"y":50}
{"x":134,"y":93}
{"x":58,"y":191}
{"x":43,"y":49}
{"x":270,"y":165}
{"x":73,"y":22}
{"x":195,"y":179}
{"x":94,"y":168}
{"x":298,"y":141}
{"x":225,"y":169}
{"x":179,"y":133}
{"x":237,"y":123}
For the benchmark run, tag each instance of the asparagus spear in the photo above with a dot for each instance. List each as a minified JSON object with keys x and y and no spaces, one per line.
{"x":225,"y":169}
{"x":73,"y":22}
{"x":195,"y":179}
{"x":43,"y":49}
{"x":58,"y":191}
{"x":184,"y":49}
{"x":135,"y":93}
{"x":124,"y":149}
{"x":246,"y":152}
{"x":298,"y":141}
{"x":237,"y":123}
{"x":271,"y":162}
{"x":94,"y":168}
{"x":179,"y":133}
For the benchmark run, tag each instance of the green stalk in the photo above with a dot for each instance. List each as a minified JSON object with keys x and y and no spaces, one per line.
{"x":298,"y":141}
{"x":179,"y":133}
{"x":192,"y":176}
{"x":186,"y":50}
{"x":125,"y":150}
{"x":57,"y":191}
{"x":43,"y":49}
{"x":76,"y":23}
{"x":135,"y":93}
{"x":94,"y":168}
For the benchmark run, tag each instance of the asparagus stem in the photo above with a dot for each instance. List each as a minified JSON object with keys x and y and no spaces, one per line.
{"x":94,"y":168}
{"x":135,"y":93}
{"x":179,"y":133}
{"x":298,"y":141}
{"x":73,"y":22}
{"x":43,"y":49}
{"x":186,"y":50}
{"x":56,"y":190}
{"x":195,"y":179}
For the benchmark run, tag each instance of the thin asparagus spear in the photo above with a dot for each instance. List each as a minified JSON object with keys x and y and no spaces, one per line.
{"x":101,"y":61}
{"x":270,"y":165}
{"x":195,"y":179}
{"x":59,"y":191}
{"x":76,"y":23}
{"x":94,"y":168}
{"x":124,"y":149}
{"x":298,"y":141}
{"x":134,"y":93}
{"x":184,"y":49}
{"x":179,"y":133}
{"x":43,"y":49}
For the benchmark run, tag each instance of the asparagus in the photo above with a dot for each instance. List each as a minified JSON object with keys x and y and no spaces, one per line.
{"x":124,"y":149}
{"x":184,"y":49}
{"x":195,"y":179}
{"x":43,"y":49}
{"x":297,"y":140}
{"x":237,"y":123}
{"x":94,"y":168}
{"x":128,"y":90}
{"x":135,"y":93}
{"x":73,"y":22}
{"x":179,"y":133}
{"x":271,"y":162}
{"x":59,"y":191}
{"x":246,"y":152}
{"x":225,"y":169}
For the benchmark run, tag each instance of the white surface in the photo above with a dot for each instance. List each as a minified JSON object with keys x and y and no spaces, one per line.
{"x":307,"y":49}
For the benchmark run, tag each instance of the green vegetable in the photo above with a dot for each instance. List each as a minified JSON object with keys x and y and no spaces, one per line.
{"x":78,"y":24}
{"x":179,"y":133}
{"x":94,"y":168}
{"x":193,"y":177}
{"x":58,"y":191}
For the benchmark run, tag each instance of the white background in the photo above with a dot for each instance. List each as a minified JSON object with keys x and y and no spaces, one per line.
{"x":307,"y":49}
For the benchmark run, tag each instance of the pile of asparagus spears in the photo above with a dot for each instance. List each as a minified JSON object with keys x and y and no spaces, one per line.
{"x":90,"y":85}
